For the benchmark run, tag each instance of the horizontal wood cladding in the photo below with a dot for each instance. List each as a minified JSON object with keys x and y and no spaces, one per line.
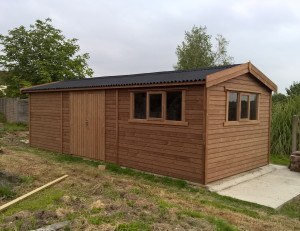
{"x":66,"y":122}
{"x":110,"y":126}
{"x":176,"y":151}
{"x":45,"y":120}
{"x":235,"y":149}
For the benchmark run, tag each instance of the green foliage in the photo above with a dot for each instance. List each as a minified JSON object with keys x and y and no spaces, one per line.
{"x":220,"y":224}
{"x":234,"y":208}
{"x":59,"y":157}
{"x":27,"y":179}
{"x":6,"y":192}
{"x":150,"y":177}
{"x":14,"y":127}
{"x":291,"y":209}
{"x":108,"y":218}
{"x":47,"y":199}
{"x":38,"y":55}
{"x":280,"y":159}
{"x":278,"y":97}
{"x":134,"y":226}
{"x":294,"y":89}
{"x":197,"y":50}
{"x":281,"y":129}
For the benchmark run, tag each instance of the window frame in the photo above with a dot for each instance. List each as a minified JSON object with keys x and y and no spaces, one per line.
{"x":242,"y":121}
{"x":163,"y":119}
{"x":163,"y":99}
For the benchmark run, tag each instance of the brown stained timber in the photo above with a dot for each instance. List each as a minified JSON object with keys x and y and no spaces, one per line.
{"x":98,"y":124}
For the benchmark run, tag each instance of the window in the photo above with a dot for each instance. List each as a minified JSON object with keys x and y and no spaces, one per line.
{"x":232,"y":106}
{"x":253,"y":106}
{"x":155,"y":105}
{"x":163,"y":107}
{"x":174,"y":105}
{"x":242,"y":106}
{"x":140,"y":105}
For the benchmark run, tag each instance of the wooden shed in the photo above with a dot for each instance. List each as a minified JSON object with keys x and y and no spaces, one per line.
{"x":199,"y":125}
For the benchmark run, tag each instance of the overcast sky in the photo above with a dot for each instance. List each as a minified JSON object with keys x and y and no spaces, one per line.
{"x":133,"y":36}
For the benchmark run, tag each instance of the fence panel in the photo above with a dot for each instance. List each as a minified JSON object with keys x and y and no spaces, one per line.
{"x":15,"y":110}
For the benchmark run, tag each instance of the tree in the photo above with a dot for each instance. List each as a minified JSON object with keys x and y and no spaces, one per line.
{"x":38,"y":55}
{"x":278,"y":97}
{"x":294,"y":89}
{"x":197,"y":50}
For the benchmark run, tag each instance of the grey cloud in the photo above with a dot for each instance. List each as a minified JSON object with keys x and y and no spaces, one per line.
{"x":141,"y":36}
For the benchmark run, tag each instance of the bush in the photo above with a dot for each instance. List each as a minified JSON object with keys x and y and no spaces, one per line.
{"x":281,"y":129}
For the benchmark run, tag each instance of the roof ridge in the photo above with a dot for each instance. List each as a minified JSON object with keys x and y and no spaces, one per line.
{"x":157,"y":72}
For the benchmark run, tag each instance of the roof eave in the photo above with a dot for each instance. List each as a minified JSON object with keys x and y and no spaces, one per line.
{"x":28,"y":90}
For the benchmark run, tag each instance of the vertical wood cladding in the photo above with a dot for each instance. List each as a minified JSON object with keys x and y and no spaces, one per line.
{"x":236,"y":149}
{"x":171,"y":150}
{"x":45,"y":120}
{"x":87,"y":131}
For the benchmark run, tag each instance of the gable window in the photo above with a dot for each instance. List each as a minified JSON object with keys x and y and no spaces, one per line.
{"x":162,"y":107}
{"x":242,"y":106}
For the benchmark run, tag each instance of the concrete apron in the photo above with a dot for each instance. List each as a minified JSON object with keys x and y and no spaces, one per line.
{"x":271,"y":185}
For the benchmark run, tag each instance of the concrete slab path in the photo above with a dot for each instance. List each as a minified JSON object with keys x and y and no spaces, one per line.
{"x":272,"y":186}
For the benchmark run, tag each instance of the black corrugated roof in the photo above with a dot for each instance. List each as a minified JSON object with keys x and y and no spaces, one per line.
{"x":135,"y":79}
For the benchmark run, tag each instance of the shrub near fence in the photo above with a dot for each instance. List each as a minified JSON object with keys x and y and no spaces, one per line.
{"x":15,"y":110}
{"x":281,"y":129}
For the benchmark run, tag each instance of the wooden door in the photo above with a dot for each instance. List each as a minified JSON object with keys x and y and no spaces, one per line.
{"x":87,"y":114}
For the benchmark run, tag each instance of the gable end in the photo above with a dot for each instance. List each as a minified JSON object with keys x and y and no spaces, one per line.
{"x":234,"y":72}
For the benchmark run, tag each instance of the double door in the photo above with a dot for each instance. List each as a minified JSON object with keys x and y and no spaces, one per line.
{"x":87,"y":124}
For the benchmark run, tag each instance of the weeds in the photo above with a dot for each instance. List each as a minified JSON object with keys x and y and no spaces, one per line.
{"x":14,"y":127}
{"x":134,"y":226}
{"x":280,"y":160}
{"x":220,"y":224}
{"x":6,"y":192}
{"x":150,"y":177}
{"x":291,"y":208}
{"x":27,"y":179}
{"x":102,"y":219}
{"x":43,"y":200}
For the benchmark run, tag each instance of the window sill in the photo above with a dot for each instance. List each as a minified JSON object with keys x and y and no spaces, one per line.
{"x":163,"y":122}
{"x":240,"y":123}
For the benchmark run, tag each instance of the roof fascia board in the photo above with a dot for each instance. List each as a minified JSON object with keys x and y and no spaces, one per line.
{"x":262,"y":77}
{"x":225,"y":75}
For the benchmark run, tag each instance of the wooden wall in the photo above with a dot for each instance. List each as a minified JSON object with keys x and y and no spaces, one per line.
{"x":111,"y":122}
{"x":170,"y":150}
{"x":45,"y":120}
{"x":66,"y":122}
{"x":235,"y":149}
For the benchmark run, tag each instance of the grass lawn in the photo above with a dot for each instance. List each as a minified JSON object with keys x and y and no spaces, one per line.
{"x":118,"y":198}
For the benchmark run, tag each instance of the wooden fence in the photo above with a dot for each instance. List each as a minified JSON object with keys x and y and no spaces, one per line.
{"x":15,"y":110}
{"x":296,"y":134}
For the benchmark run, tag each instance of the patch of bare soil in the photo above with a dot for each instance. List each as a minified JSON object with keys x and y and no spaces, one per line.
{"x":99,"y":200}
